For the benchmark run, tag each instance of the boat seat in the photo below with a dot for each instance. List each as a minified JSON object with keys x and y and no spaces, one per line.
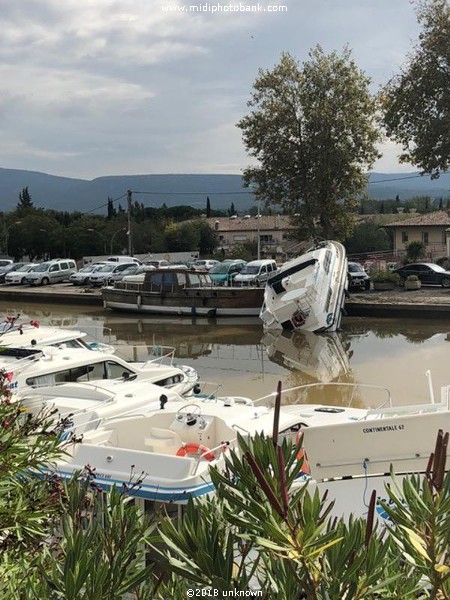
{"x":163,"y":440}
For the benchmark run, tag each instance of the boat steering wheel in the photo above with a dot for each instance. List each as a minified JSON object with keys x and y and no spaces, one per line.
{"x":183,"y":412}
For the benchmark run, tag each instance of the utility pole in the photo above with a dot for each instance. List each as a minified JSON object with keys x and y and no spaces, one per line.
{"x":129,"y":232}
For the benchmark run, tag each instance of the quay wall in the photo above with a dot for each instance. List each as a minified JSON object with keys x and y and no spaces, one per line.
{"x":428,"y":303}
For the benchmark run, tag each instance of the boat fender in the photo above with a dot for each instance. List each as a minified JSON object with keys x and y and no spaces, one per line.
{"x":138,"y":301}
{"x":301,"y":455}
{"x":198,"y":449}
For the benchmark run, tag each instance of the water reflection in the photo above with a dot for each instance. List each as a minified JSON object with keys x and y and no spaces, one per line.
{"x":236,"y":352}
{"x":320,"y":357}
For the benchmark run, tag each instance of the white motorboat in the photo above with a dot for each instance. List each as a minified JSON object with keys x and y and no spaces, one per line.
{"x":352,"y":459}
{"x":165,"y":454}
{"x":308,"y":292}
{"x":54,"y":365}
{"x":32,"y":334}
{"x":80,"y":407}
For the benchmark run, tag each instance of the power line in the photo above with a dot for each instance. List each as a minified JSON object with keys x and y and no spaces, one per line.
{"x":191,"y":193}
{"x":86,"y":212}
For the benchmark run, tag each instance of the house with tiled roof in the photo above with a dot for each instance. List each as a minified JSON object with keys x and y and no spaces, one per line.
{"x":273,"y":232}
{"x":429,"y":228}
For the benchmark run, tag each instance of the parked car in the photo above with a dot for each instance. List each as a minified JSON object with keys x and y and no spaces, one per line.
{"x":358,"y":279}
{"x":8,"y":267}
{"x":428,"y":273}
{"x":157,"y":264}
{"x":81,"y":277}
{"x":52,"y":271}
{"x":18,"y":275}
{"x":256,"y":272}
{"x":139,"y":275}
{"x":204,"y":265}
{"x":225,"y":272}
{"x":119,"y":275}
{"x":104,"y":275}
{"x":5,"y":262}
{"x":123,"y":259}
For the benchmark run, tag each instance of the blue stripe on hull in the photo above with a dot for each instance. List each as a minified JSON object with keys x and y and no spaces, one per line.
{"x":151,"y":492}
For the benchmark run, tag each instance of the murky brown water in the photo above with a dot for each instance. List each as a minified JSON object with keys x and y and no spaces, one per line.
{"x":246,"y":361}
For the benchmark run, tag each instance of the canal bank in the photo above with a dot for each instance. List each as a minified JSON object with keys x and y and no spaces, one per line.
{"x":432,"y":302}
{"x":426,"y":302}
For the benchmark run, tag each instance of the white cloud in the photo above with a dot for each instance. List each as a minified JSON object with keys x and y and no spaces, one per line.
{"x":91,"y":87}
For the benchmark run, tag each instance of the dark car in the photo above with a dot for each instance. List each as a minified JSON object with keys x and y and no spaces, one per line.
{"x":357,"y":277}
{"x":428,"y":273}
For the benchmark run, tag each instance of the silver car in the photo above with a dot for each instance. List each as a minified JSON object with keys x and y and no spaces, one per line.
{"x":105,"y":275}
{"x":18,"y":276}
{"x":83,"y":275}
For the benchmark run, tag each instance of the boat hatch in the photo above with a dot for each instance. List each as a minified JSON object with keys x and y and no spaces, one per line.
{"x":275,"y":281}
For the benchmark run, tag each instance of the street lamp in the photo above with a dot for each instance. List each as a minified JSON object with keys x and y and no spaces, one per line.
{"x":102,"y":238}
{"x":113,"y":237}
{"x":7,"y":235}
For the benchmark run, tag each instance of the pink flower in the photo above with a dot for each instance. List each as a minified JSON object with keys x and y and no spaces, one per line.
{"x":35,"y":323}
{"x":9,"y":375}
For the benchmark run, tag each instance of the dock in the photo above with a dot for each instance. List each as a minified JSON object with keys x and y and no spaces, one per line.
{"x":429,"y":302}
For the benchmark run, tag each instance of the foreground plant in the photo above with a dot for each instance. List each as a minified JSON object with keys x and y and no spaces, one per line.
{"x":265,"y":530}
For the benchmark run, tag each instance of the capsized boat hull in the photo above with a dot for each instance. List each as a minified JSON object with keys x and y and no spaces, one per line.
{"x":308,"y":292}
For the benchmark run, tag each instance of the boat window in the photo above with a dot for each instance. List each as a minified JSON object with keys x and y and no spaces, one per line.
{"x":170,"y":280}
{"x":327,"y":261}
{"x":115,"y":370}
{"x":82,"y":373}
{"x":156,"y":278}
{"x":194,"y":280}
{"x":182,"y":279}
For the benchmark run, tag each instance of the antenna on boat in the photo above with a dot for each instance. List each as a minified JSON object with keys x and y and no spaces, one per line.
{"x":430,"y":385}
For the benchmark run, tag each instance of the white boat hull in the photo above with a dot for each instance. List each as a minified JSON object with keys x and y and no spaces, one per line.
{"x":308,"y":293}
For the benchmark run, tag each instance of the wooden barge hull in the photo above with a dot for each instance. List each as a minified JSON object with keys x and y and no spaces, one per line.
{"x":209,"y":302}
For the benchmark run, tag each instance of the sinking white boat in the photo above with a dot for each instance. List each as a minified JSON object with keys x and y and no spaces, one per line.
{"x":54,"y":365}
{"x":166,"y":453}
{"x":308,"y":292}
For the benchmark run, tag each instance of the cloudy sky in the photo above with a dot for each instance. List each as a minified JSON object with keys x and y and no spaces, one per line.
{"x":109,"y":87}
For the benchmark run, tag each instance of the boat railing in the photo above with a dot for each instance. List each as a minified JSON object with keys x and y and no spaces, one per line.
{"x":353,"y":387}
{"x":159,"y":354}
{"x":202,"y":393}
{"x":219,"y":448}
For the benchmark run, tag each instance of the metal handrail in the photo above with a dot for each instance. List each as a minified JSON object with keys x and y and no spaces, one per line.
{"x":355,"y":386}
{"x":226,"y":443}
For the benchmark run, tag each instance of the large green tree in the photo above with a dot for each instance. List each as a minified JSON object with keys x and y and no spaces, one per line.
{"x":313,"y":130}
{"x":417,"y":101}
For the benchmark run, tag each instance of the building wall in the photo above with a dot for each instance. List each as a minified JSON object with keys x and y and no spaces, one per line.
{"x":433,"y":237}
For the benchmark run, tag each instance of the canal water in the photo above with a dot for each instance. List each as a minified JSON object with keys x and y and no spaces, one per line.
{"x":391,"y":353}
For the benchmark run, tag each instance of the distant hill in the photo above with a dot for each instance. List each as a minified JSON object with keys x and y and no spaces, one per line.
{"x":64,"y":193}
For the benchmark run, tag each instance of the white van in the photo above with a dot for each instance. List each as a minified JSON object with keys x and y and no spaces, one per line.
{"x":52,"y":271}
{"x":256,"y":272}
{"x":120,"y":258}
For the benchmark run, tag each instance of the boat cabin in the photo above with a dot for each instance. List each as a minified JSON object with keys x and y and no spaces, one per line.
{"x":169,"y":280}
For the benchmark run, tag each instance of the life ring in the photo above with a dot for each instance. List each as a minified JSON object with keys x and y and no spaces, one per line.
{"x":301,"y":455}
{"x":197,"y":449}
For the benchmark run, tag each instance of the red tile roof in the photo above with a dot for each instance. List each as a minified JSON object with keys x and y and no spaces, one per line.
{"x":438,"y":217}
{"x":252,"y":224}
